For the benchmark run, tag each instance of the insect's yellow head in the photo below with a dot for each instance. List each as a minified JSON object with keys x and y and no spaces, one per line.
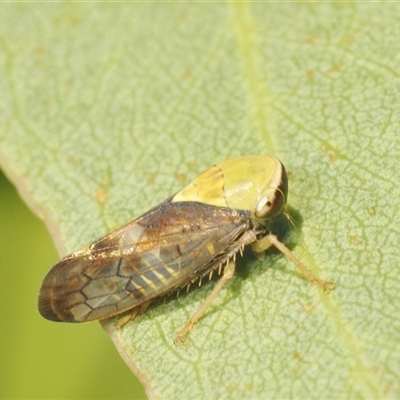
{"x":257,"y":184}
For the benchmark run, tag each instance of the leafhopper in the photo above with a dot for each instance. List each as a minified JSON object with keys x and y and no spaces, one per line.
{"x":197,"y":231}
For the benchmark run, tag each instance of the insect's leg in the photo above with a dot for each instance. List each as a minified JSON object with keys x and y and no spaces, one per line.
{"x":272,"y":240}
{"x":228,"y":273}
{"x":131,"y":314}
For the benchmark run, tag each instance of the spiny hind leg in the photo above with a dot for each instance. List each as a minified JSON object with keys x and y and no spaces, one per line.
{"x":228,"y":273}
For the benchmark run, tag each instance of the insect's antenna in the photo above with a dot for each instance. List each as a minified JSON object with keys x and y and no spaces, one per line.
{"x":289,"y":217}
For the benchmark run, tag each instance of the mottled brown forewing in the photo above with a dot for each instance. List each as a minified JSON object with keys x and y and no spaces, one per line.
{"x":161,"y":251}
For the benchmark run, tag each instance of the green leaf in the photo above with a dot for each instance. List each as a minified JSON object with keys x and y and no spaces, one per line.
{"x":107,"y":109}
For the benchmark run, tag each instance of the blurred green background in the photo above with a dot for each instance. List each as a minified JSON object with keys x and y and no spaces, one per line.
{"x":39,"y":358}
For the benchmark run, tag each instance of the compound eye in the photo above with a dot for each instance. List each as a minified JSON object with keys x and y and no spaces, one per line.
{"x":271,"y":204}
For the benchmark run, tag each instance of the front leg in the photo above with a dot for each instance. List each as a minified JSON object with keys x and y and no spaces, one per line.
{"x":271,"y":240}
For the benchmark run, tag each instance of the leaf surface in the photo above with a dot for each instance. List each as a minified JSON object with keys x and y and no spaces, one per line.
{"x":108,"y":109}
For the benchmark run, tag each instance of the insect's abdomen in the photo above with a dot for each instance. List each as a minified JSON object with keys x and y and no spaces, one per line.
{"x":163,"y":250}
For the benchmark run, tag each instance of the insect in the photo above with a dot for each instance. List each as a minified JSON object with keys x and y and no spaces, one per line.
{"x":195,"y":232}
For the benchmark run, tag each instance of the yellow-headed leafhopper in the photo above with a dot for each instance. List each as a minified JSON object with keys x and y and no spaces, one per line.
{"x":191,"y":234}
